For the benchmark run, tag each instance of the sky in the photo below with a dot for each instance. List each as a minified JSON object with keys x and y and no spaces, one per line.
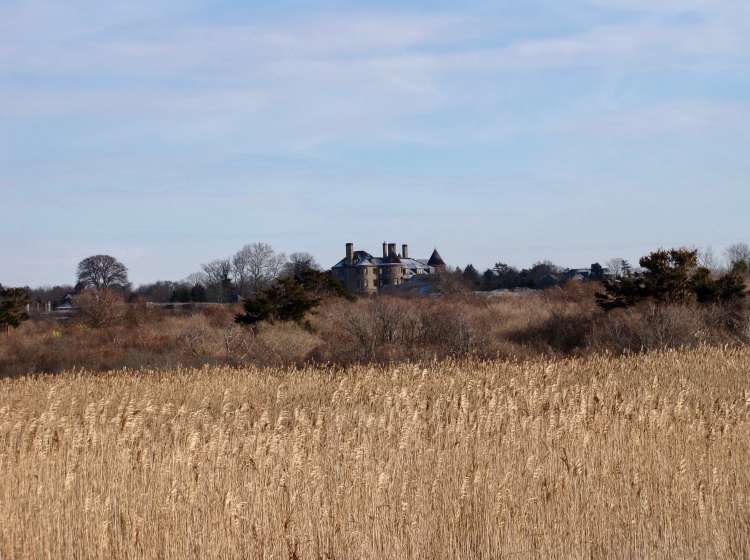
{"x":170,"y":133}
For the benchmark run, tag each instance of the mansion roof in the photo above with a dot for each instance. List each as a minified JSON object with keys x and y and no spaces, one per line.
{"x":363,"y":258}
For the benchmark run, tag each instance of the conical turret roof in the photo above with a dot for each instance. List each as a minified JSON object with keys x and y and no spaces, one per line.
{"x":436,"y":259}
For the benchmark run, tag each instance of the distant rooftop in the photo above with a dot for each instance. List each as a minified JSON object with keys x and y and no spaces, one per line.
{"x":363,"y":258}
{"x":436,"y":259}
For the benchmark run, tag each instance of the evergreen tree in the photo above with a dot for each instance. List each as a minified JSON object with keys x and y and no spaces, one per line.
{"x":181,"y":294}
{"x":597,"y":271}
{"x":198,"y":294}
{"x":471,"y":276}
{"x":324,"y":284}
{"x":285,"y":300}
{"x":671,"y":276}
{"x":13,"y":302}
{"x":508,"y":276}
{"x":727,"y":287}
{"x":489,"y":280}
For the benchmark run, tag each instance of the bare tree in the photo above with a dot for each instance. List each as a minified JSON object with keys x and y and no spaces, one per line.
{"x":217,"y":271}
{"x":707,"y":259}
{"x":299,"y":263}
{"x":102,"y":272}
{"x":217,"y":279}
{"x":255,"y":266}
{"x":618,"y":267}
{"x":738,"y":256}
{"x":197,"y":279}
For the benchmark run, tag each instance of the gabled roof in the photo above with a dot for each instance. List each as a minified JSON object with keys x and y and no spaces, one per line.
{"x":436,"y":259}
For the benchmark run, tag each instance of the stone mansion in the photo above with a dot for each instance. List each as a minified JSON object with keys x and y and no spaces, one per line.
{"x":362,"y":273}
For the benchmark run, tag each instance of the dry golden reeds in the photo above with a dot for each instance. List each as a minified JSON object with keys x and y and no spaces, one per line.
{"x":645,"y":456}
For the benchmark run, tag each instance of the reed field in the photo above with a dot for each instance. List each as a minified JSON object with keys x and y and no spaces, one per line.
{"x":628,"y":457}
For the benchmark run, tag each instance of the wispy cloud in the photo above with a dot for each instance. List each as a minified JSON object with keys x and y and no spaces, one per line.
{"x":352,"y":71}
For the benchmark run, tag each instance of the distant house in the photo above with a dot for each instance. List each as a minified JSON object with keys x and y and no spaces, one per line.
{"x":579,"y":273}
{"x":66,"y":303}
{"x":360,"y":272}
{"x":587,"y":274}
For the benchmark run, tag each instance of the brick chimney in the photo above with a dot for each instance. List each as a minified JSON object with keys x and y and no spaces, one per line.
{"x":350,"y":253}
{"x":405,"y":251}
{"x":391,"y":249}
{"x":385,"y":249}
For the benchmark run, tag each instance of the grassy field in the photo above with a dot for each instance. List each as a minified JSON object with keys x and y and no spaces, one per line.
{"x":645,"y":456}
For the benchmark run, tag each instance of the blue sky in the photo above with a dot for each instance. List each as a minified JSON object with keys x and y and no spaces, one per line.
{"x":171,"y":133}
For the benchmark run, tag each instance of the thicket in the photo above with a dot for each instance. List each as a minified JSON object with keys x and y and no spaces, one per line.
{"x":555,"y":322}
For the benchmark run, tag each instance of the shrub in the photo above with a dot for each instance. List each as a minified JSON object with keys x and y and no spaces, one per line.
{"x":282,"y":344}
{"x":348,"y":330}
{"x":448,"y":329}
{"x":101,"y":307}
{"x":649,"y":327}
{"x":561,"y":333}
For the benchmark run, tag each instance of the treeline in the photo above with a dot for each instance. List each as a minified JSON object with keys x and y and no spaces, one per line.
{"x":102,"y":282}
{"x":539,"y":276}
{"x":546,"y":274}
{"x":251,"y":269}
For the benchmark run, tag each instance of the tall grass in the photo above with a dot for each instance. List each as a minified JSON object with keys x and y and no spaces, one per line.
{"x":630,"y":457}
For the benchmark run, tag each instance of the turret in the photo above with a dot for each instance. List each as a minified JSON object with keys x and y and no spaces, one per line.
{"x":436,"y":262}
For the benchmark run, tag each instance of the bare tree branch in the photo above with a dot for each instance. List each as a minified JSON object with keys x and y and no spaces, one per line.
{"x":738,"y":256}
{"x":618,"y":267}
{"x":217,"y":278}
{"x":298,"y":263}
{"x":255,"y":266}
